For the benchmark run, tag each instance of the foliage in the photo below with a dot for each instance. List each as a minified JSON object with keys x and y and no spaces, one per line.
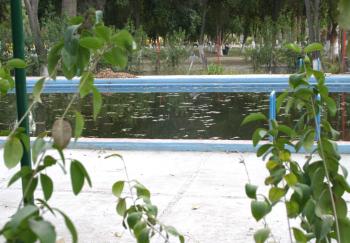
{"x":138,"y":212}
{"x":215,"y":69}
{"x":77,"y":54}
{"x":312,"y":192}
{"x":175,"y":49}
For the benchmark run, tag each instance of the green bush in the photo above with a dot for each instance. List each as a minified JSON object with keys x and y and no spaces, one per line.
{"x":215,"y":69}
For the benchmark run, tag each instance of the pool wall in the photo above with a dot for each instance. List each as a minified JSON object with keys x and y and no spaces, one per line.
{"x":259,"y":83}
{"x":167,"y":84}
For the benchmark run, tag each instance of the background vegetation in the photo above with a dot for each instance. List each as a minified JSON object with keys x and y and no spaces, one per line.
{"x":169,"y":32}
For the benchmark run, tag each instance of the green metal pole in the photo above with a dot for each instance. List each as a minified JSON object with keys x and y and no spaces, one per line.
{"x":20,"y":78}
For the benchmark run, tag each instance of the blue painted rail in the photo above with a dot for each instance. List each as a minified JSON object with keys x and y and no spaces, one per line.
{"x":190,"y":83}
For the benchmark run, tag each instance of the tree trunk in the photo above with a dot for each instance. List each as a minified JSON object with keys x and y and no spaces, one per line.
{"x":310,"y":20}
{"x":69,"y":8}
{"x":312,"y":14}
{"x":201,"y":38}
{"x":32,"y":11}
{"x":334,"y":47}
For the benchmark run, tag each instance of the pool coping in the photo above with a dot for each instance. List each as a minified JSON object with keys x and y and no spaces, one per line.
{"x":260,"y":83}
{"x":193,"y":145}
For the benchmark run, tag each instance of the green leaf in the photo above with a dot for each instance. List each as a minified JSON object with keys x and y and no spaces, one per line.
{"x":344,"y":14}
{"x":296,"y":80}
{"x":345,"y":171}
{"x":139,"y":227}
{"x":259,"y":134}
{"x":250,"y":190}
{"x":324,"y":205}
{"x":284,"y":155}
{"x":121,"y":206}
{"x":13,"y":151}
{"x":171,"y":230}
{"x":275,"y":194}
{"x":49,"y":161}
{"x":38,"y":88}
{"x":77,"y":177}
{"x":44,"y":230}
{"x":143,"y":237}
{"x":53,"y":58}
{"x":79,"y":124}
{"x":16,"y":63}
{"x":133,"y":219}
{"x":280,"y":99}
{"x":182,"y":239}
{"x":71,"y":39}
{"x":22,"y":214}
{"x":320,"y":77}
{"x":86,"y":84}
{"x":325,"y":228}
{"x":286,"y":130}
{"x":259,"y":209}
{"x":37,"y":148}
{"x":142,"y":191}
{"x":116,"y":57}
{"x":344,"y":228}
{"x":25,"y":171}
{"x":254,"y":117}
{"x":293,"y":47}
{"x":97,"y":102}
{"x":299,"y":236}
{"x":123,"y":40}
{"x":103,"y":32}
{"x":117,"y":188}
{"x":75,"y":20}
{"x":45,"y":204}
{"x":342,"y":182}
{"x":323,"y":90}
{"x":4,"y":86}
{"x":291,"y":179}
{"x":69,"y":225}
{"x":93,"y":43}
{"x":308,"y":140}
{"x":47,"y":186}
{"x":86,"y":174}
{"x":313,"y":47}
{"x":261,"y":235}
{"x":331,"y":105}
{"x":83,"y":171}
{"x":292,"y":209}
{"x":263,"y":149}
{"x":152,"y":210}
{"x":83,"y":59}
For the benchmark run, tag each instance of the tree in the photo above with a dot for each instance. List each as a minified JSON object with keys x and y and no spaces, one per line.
{"x":32,"y":11}
{"x":312,"y":14}
{"x":69,"y":8}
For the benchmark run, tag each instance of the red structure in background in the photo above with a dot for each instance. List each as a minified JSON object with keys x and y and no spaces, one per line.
{"x":344,"y":67}
{"x":343,"y":103}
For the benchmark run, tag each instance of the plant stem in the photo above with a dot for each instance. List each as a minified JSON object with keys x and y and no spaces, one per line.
{"x":22,"y":118}
{"x":326,"y":172}
{"x":288,"y":221}
{"x":134,"y":202}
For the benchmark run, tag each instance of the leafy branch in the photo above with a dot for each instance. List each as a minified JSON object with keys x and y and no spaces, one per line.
{"x":312,"y":191}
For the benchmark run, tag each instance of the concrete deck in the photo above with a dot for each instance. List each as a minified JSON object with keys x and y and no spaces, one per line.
{"x":200,"y":193}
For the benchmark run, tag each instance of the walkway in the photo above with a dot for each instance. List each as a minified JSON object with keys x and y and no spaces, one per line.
{"x":202,"y":194}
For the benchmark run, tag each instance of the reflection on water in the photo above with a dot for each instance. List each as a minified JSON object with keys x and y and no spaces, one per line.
{"x":154,"y":115}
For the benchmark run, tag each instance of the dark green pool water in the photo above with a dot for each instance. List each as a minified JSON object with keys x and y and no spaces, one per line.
{"x":154,"y":115}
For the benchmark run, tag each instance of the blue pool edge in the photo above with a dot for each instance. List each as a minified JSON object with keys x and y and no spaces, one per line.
{"x":191,"y":145}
